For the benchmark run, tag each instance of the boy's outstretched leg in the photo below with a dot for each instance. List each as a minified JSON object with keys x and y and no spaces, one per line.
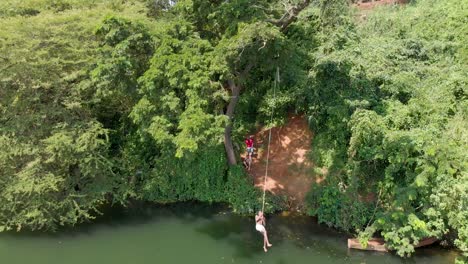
{"x":266,"y":243}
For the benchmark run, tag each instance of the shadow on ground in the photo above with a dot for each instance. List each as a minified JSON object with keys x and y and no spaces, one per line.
{"x":289,"y":171}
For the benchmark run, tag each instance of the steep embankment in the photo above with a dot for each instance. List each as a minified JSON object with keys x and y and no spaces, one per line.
{"x":290,"y":170}
{"x":363,"y":5}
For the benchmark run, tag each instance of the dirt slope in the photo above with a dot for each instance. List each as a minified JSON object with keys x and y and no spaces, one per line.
{"x":363,"y":5}
{"x":290,"y":170}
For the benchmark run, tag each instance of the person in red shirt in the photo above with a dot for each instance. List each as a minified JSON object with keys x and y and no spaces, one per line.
{"x":248,"y":160}
{"x":249,"y":143}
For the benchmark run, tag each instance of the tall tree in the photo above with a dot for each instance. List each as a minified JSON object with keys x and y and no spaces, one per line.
{"x":216,"y":44}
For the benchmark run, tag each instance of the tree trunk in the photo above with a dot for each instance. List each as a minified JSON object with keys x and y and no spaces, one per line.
{"x":283,"y":23}
{"x":235,"y":91}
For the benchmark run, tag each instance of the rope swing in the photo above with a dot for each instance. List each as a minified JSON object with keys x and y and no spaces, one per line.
{"x":277,"y":80}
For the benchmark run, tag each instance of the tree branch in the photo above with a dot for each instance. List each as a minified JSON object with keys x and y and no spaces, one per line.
{"x":249,"y":66}
{"x":290,"y":15}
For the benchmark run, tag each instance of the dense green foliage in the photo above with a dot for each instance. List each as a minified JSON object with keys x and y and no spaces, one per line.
{"x":49,"y":142}
{"x":389,"y":105}
{"x":102,"y":103}
{"x":111,"y":101}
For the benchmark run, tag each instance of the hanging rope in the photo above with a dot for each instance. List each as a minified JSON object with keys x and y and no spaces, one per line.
{"x":269,"y":139}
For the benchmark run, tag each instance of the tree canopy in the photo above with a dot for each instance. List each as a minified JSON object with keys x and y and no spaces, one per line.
{"x":114,"y":101}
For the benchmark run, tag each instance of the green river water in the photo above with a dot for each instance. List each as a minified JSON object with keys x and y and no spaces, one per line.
{"x":194,"y":233}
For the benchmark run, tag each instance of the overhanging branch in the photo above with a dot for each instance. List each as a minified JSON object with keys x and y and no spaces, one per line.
{"x":290,"y":15}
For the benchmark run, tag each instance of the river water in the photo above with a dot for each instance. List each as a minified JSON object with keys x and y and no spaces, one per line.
{"x":194,"y":233}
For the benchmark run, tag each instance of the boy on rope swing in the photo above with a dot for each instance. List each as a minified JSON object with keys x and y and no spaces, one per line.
{"x":260,"y":226}
{"x":250,"y":149}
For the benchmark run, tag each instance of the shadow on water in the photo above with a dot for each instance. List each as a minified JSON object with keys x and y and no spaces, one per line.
{"x":301,"y":231}
{"x":115,"y":217}
{"x":236,"y":231}
{"x":240,"y":233}
{"x":304,"y":233}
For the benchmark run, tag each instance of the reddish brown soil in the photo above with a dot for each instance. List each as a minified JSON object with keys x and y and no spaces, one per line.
{"x":366,"y":7}
{"x":289,"y":170}
{"x":373,"y":3}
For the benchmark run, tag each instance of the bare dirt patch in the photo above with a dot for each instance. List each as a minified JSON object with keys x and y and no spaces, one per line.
{"x":290,"y":170}
{"x":367,"y":5}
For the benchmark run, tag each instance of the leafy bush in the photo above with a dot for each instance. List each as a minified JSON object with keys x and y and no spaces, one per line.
{"x":392,"y":101}
{"x":240,"y":193}
{"x":337,"y":207}
{"x":195,"y":177}
{"x":244,"y":198}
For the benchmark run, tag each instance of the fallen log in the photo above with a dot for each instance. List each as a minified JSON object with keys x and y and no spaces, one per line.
{"x":378,"y":244}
